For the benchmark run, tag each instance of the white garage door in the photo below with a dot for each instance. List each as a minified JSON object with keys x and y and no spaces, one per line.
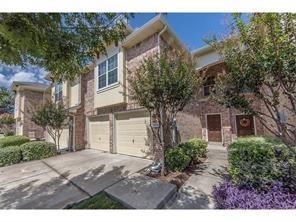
{"x":132,"y":133}
{"x":99,"y":135}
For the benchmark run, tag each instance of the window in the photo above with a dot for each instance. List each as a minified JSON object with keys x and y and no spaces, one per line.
{"x":108,"y":72}
{"x":58,"y":92}
{"x":208,"y":85}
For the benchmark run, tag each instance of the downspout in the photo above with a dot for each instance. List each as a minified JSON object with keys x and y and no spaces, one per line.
{"x":159,"y":35}
{"x":161,"y":107}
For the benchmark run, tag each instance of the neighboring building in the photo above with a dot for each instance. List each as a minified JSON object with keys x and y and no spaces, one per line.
{"x":28,"y":96}
{"x":101,"y":115}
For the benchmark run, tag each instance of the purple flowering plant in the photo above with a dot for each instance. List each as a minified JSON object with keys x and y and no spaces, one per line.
{"x":229,"y":196}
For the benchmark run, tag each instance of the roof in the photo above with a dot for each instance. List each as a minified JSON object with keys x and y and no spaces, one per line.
{"x":29,"y":85}
{"x":202,"y":50}
{"x":154,"y":25}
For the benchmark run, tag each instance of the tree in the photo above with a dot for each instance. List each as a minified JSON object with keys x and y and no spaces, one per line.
{"x":260,"y":58}
{"x":6,"y":101}
{"x":52,"y":117}
{"x":163,"y":84}
{"x":6,"y":123}
{"x":62,"y":43}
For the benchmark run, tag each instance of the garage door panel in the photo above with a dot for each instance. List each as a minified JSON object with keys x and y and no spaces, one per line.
{"x":132,"y":131}
{"x":99,"y":135}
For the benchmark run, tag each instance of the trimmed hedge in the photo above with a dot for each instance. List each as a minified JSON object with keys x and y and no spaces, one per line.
{"x":195,"y":148}
{"x":176,"y":159}
{"x":10,"y":155}
{"x":38,"y":150}
{"x":257,"y":161}
{"x":13,"y":141}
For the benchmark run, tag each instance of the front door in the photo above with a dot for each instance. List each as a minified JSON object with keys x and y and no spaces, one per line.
{"x":244,"y":125}
{"x":214,"y":128}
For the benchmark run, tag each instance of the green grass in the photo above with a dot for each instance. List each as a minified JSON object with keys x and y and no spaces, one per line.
{"x":99,"y":201}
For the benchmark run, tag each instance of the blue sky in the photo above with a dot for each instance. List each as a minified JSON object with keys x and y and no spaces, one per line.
{"x":191,"y":28}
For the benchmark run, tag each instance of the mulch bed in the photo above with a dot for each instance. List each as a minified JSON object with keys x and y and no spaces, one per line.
{"x":177,"y":178}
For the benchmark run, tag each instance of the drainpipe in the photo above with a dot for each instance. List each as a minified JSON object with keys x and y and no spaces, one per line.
{"x":161,"y":107}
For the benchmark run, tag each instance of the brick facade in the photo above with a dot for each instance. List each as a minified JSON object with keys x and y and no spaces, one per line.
{"x":85,"y":109}
{"x":192,"y":120}
{"x":32,"y":100}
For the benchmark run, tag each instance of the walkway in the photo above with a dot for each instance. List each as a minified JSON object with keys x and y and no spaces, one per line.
{"x":196,"y":193}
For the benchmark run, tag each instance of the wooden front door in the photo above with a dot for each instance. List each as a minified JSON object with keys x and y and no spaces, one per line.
{"x":245,"y":125}
{"x":214,"y":128}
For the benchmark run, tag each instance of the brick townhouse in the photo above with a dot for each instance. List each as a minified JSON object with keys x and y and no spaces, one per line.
{"x":28,"y":96}
{"x":103,"y":117}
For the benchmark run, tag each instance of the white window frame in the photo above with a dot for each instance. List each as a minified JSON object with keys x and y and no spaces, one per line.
{"x":60,"y":91}
{"x":107,"y":73}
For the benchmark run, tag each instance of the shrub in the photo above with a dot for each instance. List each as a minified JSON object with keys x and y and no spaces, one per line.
{"x":195,"y":148}
{"x":10,"y":155}
{"x":38,"y":150}
{"x":257,"y":161}
{"x":13,"y":141}
{"x":288,"y":169}
{"x":176,"y":159}
{"x":229,"y":196}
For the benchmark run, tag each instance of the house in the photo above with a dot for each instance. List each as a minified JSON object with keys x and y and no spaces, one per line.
{"x":205,"y":118}
{"x":102,"y":116}
{"x":28,"y":96}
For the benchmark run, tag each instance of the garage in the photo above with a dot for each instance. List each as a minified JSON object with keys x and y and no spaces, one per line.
{"x":99,"y":133}
{"x":132,"y":133}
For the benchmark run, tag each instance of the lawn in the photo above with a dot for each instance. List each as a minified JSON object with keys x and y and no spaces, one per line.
{"x":99,"y":201}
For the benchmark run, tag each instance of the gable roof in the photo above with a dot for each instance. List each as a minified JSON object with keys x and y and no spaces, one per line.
{"x":151,"y":27}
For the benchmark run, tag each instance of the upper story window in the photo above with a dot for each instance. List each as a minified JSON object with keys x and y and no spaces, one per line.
{"x":108,"y":72}
{"x":208,"y":85}
{"x":58,"y":92}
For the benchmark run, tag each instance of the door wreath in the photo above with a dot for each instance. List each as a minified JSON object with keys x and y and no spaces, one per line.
{"x":244,"y":122}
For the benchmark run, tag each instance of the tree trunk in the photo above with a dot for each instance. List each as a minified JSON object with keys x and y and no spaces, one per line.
{"x":162,"y":142}
{"x":58,"y":142}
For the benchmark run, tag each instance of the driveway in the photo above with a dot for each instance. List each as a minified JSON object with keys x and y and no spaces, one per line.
{"x":55,"y":182}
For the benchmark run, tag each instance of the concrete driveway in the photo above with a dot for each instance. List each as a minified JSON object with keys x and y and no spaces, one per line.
{"x":55,"y":182}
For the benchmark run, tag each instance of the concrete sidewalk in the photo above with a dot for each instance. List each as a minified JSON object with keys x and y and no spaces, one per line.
{"x":196,"y":193}
{"x":55,"y":182}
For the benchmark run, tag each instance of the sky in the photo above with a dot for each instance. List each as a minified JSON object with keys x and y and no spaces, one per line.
{"x":191,"y":28}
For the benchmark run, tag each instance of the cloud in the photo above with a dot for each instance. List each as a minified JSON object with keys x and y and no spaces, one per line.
{"x":3,"y":81}
{"x":8,"y":74}
{"x":6,"y":81}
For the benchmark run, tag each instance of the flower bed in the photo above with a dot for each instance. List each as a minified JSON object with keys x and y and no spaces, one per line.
{"x":262,"y":175}
{"x":229,"y":196}
{"x":182,"y":161}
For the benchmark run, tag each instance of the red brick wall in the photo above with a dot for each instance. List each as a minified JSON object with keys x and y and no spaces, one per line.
{"x":192,"y":120}
{"x":32,"y":99}
{"x":86,"y":109}
{"x":87,"y":92}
